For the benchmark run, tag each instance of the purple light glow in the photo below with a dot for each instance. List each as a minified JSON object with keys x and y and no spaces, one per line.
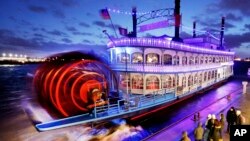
{"x":165,"y":43}
{"x":168,"y":69}
{"x":160,"y":24}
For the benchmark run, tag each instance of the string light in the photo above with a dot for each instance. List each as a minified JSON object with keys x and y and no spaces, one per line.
{"x":117,"y":11}
{"x":163,"y":43}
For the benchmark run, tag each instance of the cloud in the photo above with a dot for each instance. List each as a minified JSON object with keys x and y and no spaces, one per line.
{"x":38,"y":47}
{"x":66,"y":40}
{"x":84,"y":24}
{"x":71,"y":28}
{"x":57,"y":33}
{"x":6,"y":32}
{"x":58,"y":13}
{"x":103,"y":25}
{"x":239,"y":5}
{"x":99,"y":23}
{"x":213,"y":25}
{"x":82,"y":33}
{"x":24,"y":22}
{"x":69,"y":3}
{"x":232,"y":17}
{"x":37,"y":9}
{"x":7,"y":37}
{"x":184,"y":34}
{"x":87,"y":41}
{"x":247,"y":26}
{"x":39,"y":35}
{"x":235,"y":40}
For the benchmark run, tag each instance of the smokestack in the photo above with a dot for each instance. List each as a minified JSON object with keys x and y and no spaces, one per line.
{"x":194,"y":29}
{"x":177,"y":21}
{"x":134,"y":21}
{"x":222,"y":33}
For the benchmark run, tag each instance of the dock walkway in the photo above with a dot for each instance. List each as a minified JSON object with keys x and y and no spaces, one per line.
{"x":173,"y":132}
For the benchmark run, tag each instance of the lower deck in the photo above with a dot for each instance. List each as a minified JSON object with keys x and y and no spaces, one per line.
{"x":131,"y":106}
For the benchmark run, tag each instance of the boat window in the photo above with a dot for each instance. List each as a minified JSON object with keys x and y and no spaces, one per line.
{"x":167,"y":59}
{"x":152,"y":58}
{"x":184,"y":81}
{"x":196,"y":60}
{"x":210,"y":59}
{"x":166,"y":81}
{"x":212,"y":77}
{"x":152,"y":82}
{"x":209,"y":75}
{"x":190,"y":80}
{"x":176,"y":60}
{"x":137,"y":82}
{"x":137,"y":57}
{"x":205,"y":76}
{"x":206,"y":60}
{"x":201,"y":60}
{"x":215,"y":74}
{"x":200,"y":79}
{"x":124,"y":80}
{"x":195,"y":78}
{"x":184,"y":60}
{"x":216,"y":59}
{"x":191,"y":60}
{"x":177,"y":80}
{"x":174,"y":82}
{"x":122,"y":58}
{"x":213,"y":59}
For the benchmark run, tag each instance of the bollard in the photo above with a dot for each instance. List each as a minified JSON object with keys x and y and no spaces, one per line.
{"x":195,"y":118}
{"x":244,"y":83}
{"x":198,"y":115}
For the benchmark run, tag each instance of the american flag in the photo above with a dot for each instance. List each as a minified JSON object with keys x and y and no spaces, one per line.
{"x":105,"y":14}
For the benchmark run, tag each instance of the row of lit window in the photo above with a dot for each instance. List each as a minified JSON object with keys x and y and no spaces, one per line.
{"x":167,"y":59}
{"x":152,"y":82}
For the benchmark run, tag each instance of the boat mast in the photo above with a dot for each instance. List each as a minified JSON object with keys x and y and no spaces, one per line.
{"x":177,"y":21}
{"x":222,"y":33}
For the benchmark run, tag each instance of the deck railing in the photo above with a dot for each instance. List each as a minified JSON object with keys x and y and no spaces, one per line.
{"x":134,"y":103}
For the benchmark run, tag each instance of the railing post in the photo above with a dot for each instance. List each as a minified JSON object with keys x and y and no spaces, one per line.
{"x":108,"y":104}
{"x":244,"y":83}
{"x":118,"y":104}
{"x":95,"y":110}
{"x":153,"y":98}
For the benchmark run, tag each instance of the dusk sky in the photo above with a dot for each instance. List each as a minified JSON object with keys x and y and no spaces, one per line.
{"x":45,"y":27}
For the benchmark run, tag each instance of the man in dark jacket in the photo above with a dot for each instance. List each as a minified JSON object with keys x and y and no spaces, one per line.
{"x":231,"y":118}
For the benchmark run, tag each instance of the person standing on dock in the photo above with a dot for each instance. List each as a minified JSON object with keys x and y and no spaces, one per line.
{"x":239,"y":118}
{"x":216,"y":134}
{"x":198,"y":132}
{"x":208,"y":126}
{"x":231,"y":118}
{"x":222,"y":121}
{"x":185,"y":136}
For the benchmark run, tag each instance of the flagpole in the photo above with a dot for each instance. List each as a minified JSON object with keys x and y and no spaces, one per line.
{"x":112,"y":24}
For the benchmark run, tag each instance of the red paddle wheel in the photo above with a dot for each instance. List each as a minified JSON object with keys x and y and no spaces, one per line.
{"x":73,"y":87}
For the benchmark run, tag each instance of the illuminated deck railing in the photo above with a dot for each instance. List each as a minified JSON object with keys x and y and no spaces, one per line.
{"x":163,"y":43}
{"x":162,"y":68}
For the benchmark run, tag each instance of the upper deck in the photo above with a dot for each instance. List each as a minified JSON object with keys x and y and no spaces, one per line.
{"x":164,"y":43}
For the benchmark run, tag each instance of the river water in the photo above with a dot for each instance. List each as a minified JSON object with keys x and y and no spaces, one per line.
{"x":16,"y":90}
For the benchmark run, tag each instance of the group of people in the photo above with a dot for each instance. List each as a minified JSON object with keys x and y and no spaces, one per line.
{"x":234,"y":117}
{"x":214,"y":127}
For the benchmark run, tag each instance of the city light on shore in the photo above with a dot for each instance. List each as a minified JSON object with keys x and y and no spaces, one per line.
{"x":20,"y":58}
